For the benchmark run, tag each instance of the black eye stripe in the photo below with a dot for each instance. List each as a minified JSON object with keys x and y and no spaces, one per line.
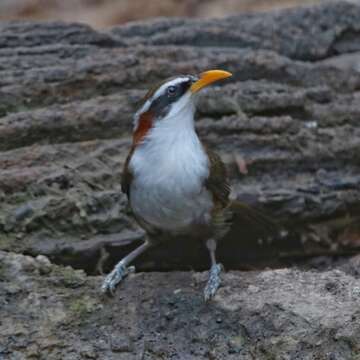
{"x":160,"y":106}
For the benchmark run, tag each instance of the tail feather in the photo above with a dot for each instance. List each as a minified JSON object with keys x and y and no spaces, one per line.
{"x":256,"y":219}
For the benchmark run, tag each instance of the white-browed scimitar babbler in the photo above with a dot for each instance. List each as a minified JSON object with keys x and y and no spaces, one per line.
{"x":174,"y":184}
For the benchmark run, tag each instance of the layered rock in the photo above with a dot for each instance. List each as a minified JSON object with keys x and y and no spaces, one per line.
{"x":287,"y":126}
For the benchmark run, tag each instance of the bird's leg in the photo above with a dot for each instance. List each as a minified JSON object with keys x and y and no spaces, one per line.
{"x":214,"y":273}
{"x":121,"y":270}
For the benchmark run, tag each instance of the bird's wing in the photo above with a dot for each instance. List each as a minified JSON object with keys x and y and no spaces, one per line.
{"x":217,"y":182}
{"x":127,"y":175}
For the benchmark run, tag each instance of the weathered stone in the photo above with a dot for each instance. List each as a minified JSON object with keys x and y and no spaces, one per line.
{"x":286,"y":125}
{"x":308,"y":34}
{"x":274,"y":314}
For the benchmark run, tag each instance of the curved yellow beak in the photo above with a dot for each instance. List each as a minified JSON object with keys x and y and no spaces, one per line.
{"x":209,"y":77}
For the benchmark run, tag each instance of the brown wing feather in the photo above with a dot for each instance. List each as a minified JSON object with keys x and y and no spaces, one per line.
{"x":217,"y":182}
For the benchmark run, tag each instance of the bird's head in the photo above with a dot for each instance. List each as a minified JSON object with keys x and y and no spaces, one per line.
{"x":172,"y":102}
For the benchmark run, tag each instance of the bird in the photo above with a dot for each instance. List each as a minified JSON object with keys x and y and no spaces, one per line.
{"x":175,"y":184}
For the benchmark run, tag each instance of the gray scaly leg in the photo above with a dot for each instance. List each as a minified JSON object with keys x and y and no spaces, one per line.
{"x":214,"y":273}
{"x":121,"y":269}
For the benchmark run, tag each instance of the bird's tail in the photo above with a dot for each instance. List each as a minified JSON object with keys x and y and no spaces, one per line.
{"x":255,"y":220}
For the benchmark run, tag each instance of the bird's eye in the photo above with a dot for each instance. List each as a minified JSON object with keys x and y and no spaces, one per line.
{"x":171,"y":90}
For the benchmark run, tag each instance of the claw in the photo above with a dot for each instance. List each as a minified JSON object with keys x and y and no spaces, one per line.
{"x":115,"y":277}
{"x":213,"y":282}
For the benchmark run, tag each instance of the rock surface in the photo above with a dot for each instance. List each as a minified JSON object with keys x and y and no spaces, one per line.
{"x":51,"y":312}
{"x":287,"y":125}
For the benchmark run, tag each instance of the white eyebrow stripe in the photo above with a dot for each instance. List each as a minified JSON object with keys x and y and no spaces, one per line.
{"x":157,"y":93}
{"x":162,"y":88}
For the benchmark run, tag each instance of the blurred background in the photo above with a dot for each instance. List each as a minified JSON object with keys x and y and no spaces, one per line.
{"x":104,"y":13}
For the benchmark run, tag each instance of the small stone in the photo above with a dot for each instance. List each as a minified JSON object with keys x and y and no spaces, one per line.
{"x":88,"y":352}
{"x":121,"y":344}
{"x":169,"y":315}
{"x":28,"y":264}
{"x":33,"y":352}
{"x":44,"y":264}
{"x":23,"y":212}
{"x":331,"y":286}
{"x":311,"y":124}
{"x":236,"y":344}
{"x":253,"y":288}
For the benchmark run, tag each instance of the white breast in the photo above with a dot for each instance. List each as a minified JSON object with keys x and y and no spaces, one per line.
{"x":169,"y":170}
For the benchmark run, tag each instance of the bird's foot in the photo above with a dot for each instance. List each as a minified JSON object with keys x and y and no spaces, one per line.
{"x":213,"y":282}
{"x":119,"y":272}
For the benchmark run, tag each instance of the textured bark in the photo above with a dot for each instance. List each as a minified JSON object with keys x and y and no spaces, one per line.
{"x":287,"y":126}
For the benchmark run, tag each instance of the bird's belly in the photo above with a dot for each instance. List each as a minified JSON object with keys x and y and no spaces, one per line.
{"x":169,"y":208}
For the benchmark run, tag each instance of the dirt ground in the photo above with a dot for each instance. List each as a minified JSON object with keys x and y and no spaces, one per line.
{"x":51,"y":312}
